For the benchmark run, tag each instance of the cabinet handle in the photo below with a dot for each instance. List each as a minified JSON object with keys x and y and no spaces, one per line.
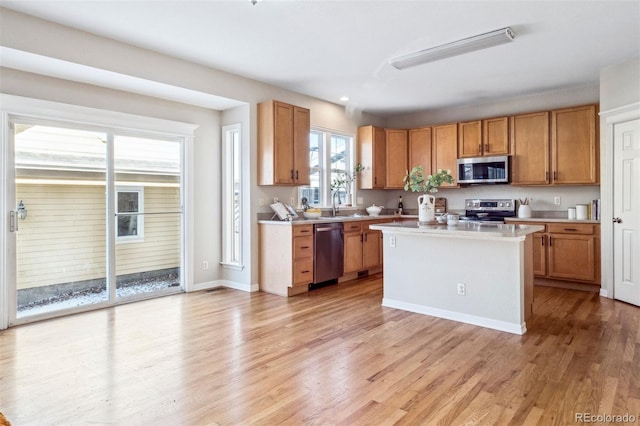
{"x":479,"y":148}
{"x":365,"y":236}
{"x":550,"y":241}
{"x":546,"y":175}
{"x":555,"y":175}
{"x":570,"y":229}
{"x":291,"y":174}
{"x":542,"y":240}
{"x":304,"y":231}
{"x":486,"y":148}
{"x":305,"y":247}
{"x":361,"y":238}
{"x":306,"y":272}
{"x":297,"y":175}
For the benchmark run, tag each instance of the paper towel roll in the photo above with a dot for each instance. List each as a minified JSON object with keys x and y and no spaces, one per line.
{"x":581,"y":211}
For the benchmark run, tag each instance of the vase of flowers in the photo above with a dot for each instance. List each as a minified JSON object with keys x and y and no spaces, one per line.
{"x":416,"y":181}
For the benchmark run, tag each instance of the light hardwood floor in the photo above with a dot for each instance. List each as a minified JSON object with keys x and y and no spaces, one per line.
{"x":332,"y":357}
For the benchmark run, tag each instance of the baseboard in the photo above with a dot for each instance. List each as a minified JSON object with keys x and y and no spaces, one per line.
{"x":604,"y":293}
{"x":457,"y":316}
{"x":208,"y":285}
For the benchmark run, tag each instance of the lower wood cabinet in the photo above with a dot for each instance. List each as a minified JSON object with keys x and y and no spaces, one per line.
{"x":286,"y":258}
{"x":567,"y":251}
{"x":362,"y":246}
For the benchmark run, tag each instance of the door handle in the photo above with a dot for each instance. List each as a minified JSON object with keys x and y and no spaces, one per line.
{"x":617,"y":220}
{"x":12,"y":221}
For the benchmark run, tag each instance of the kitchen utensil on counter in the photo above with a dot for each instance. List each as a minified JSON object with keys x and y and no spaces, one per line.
{"x":374,"y":210}
{"x":524,"y":210}
{"x":581,"y":212}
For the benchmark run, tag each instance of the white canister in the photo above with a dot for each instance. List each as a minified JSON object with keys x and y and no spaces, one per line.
{"x":524,"y":210}
{"x":581,"y":211}
{"x":571,"y":213}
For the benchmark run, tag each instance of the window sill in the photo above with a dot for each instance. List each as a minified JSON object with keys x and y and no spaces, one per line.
{"x":234,"y":266}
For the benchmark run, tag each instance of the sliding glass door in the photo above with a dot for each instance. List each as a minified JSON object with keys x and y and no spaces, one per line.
{"x":97,"y":219}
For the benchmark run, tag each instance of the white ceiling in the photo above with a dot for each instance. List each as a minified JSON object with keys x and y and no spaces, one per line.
{"x":328,"y":49}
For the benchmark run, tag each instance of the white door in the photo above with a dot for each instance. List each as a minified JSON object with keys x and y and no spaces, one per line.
{"x":626,"y":212}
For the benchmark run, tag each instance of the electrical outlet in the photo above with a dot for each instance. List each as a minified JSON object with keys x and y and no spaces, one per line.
{"x":205,"y":265}
{"x":462,"y":289}
{"x":359,"y":201}
{"x":292,"y":201}
{"x":556,"y":201}
{"x":392,"y":241}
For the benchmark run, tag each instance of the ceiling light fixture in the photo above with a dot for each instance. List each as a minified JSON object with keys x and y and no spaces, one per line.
{"x":254,"y":2}
{"x":455,"y":48}
{"x":344,"y":99}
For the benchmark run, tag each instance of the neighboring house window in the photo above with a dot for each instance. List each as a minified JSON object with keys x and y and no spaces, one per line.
{"x":330,"y":155}
{"x":231,"y":197}
{"x":130,"y":226}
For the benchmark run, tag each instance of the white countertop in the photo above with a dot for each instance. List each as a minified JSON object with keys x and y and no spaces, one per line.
{"x":465,"y":230}
{"x":329,"y":219}
{"x":548,"y":219}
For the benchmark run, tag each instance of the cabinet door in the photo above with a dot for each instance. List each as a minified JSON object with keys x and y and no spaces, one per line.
{"x":283,"y":143}
{"x":572,"y":257}
{"x":301,"y":131}
{"x":352,"y":252}
{"x":540,"y":254}
{"x":574,"y":151}
{"x":397,"y":153}
{"x":445,"y":150}
{"x":530,"y":149}
{"x":420,"y":149}
{"x":495,"y":136}
{"x":371,"y":249}
{"x":372,"y":154}
{"x":470,"y":139}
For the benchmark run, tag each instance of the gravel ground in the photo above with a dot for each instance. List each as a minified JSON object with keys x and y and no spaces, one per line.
{"x":88,"y":297}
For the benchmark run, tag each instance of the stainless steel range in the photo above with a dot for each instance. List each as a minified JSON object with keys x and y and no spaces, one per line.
{"x":488,"y":210}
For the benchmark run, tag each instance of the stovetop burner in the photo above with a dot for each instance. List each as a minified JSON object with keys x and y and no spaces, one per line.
{"x":489,"y":210}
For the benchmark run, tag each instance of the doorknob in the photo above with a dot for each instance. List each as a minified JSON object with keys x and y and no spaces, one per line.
{"x":617,"y":220}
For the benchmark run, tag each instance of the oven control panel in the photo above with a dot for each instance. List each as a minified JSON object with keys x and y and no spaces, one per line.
{"x":490,"y":205}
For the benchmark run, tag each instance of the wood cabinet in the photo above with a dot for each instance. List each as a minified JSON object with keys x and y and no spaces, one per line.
{"x":558,"y":147}
{"x":483,"y":138}
{"x":420,"y":149}
{"x":567,"y":251}
{"x":362,"y":246}
{"x":396,"y":158}
{"x":574,"y":148}
{"x":445,"y":150}
{"x":372,"y":154}
{"x":286,"y":258}
{"x":283,"y":144}
{"x":530,"y":149}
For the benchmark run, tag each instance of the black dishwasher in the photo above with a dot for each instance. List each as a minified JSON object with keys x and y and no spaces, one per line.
{"x":328,"y":244}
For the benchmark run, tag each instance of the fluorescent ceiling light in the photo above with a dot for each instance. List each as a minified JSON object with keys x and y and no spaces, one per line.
{"x":455,"y":48}
{"x":344,"y":99}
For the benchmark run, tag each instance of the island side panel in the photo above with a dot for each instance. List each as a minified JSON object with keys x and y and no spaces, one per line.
{"x":422,"y":273}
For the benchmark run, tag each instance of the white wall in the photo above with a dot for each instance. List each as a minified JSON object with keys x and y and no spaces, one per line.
{"x":620,"y":85}
{"x":36,"y":36}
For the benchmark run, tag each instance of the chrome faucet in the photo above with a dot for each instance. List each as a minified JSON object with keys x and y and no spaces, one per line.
{"x":334,"y":208}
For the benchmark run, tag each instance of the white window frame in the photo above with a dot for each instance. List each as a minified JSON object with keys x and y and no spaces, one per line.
{"x":232,"y":230}
{"x":324,"y":153}
{"x":139,"y":215}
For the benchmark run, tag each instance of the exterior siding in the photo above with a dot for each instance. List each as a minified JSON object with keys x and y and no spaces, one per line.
{"x":63,"y":238}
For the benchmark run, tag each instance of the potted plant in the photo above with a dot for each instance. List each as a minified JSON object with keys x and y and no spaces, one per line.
{"x":345,"y":181}
{"x":416,"y":181}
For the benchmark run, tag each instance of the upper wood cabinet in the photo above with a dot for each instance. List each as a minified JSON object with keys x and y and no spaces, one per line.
{"x":420,"y":149}
{"x":530,"y":149}
{"x":445,"y":150}
{"x":560,"y":147}
{"x":372,"y":154}
{"x":397,"y":157}
{"x":574,"y":150}
{"x":283,"y":144}
{"x":483,"y":138}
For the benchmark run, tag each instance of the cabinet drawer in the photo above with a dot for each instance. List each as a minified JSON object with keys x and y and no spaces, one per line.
{"x":301,"y":231}
{"x":303,"y":247}
{"x":352,"y":226}
{"x":303,"y":272}
{"x":571,"y":228}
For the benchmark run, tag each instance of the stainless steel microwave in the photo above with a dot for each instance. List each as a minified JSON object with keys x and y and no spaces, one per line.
{"x":484,"y":169}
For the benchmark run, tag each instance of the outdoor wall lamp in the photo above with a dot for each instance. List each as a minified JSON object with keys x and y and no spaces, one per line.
{"x":21,"y":211}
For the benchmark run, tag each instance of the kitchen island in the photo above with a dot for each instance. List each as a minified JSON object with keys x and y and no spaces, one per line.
{"x":479,"y":274}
